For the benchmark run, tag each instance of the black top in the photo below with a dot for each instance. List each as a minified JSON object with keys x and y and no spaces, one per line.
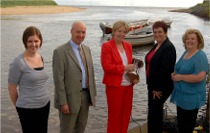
{"x":39,"y":68}
{"x":161,"y":67}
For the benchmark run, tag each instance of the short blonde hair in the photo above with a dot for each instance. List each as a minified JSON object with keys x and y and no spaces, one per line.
{"x":198,"y":35}
{"x":119,"y":24}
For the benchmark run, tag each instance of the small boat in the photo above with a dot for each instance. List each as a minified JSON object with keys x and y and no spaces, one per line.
{"x":107,"y":28}
{"x":139,"y":37}
{"x":167,"y":20}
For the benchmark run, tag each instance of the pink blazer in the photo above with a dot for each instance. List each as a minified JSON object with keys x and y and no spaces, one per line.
{"x":112,"y":63}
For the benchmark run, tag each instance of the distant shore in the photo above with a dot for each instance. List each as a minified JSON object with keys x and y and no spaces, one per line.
{"x":201,"y":10}
{"x":25,"y":10}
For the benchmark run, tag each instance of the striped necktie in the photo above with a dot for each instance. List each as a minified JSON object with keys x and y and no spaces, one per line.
{"x":85,"y":64}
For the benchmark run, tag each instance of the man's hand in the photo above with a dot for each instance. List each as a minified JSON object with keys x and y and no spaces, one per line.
{"x":65,"y":109}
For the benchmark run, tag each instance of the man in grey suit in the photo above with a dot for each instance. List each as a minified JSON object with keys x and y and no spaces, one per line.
{"x":73,"y":75}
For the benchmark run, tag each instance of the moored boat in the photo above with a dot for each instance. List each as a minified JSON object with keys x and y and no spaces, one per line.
{"x":107,"y":27}
{"x":140,"y":37}
{"x":167,"y":20}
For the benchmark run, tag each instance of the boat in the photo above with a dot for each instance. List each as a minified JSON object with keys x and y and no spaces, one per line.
{"x":167,"y":20}
{"x":140,"y":37}
{"x":107,"y":27}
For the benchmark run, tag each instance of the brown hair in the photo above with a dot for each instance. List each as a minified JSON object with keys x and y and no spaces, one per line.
{"x":198,"y":35}
{"x":31,"y":31}
{"x":119,"y":24}
{"x":161,"y":24}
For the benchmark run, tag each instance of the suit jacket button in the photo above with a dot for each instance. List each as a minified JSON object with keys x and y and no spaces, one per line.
{"x":80,"y":80}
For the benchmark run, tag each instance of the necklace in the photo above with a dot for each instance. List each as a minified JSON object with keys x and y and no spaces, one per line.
{"x":189,"y":54}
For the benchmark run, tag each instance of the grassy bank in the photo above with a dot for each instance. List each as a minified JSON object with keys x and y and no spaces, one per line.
{"x":202,"y":10}
{"x":12,"y":3}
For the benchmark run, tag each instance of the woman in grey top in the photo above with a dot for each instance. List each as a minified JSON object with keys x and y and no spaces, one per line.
{"x":27,"y":84}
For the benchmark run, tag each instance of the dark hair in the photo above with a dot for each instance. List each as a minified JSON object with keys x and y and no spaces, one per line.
{"x":161,"y":24}
{"x":31,"y":31}
{"x":198,"y":35}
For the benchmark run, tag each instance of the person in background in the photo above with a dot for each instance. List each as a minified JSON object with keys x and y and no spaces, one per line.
{"x":189,"y":78}
{"x":160,"y":61}
{"x":74,"y":81}
{"x":27,"y":84}
{"x":116,"y":61}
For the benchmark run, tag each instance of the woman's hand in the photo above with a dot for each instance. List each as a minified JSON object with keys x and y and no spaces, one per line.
{"x":157,"y":94}
{"x":191,"y":78}
{"x":13,"y":93}
{"x":129,"y":67}
{"x":136,"y":81}
{"x":175,"y":77}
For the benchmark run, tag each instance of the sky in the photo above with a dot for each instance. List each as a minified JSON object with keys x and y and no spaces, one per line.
{"x":150,"y":3}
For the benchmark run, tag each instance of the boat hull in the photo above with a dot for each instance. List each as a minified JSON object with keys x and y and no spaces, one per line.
{"x":167,"y":20}
{"x":140,"y":37}
{"x":107,"y":28}
{"x":141,"y":41}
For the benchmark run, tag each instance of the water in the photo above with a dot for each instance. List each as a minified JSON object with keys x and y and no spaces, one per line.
{"x":55,"y":29}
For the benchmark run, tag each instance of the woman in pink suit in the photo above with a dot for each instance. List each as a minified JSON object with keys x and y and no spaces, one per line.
{"x":116,"y":60}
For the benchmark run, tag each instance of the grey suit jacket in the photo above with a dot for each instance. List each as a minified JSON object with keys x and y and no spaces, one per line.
{"x":67,"y":76}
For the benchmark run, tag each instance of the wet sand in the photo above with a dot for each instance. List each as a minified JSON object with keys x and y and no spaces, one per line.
{"x":23,"y":10}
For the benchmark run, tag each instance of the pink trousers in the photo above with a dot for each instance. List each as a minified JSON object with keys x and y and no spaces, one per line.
{"x":119,"y":101}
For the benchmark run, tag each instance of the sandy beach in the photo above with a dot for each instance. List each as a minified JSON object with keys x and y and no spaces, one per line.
{"x":23,"y":10}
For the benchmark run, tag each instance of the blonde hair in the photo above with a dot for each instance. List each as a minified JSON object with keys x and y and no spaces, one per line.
{"x":198,"y":35}
{"x":119,"y":24}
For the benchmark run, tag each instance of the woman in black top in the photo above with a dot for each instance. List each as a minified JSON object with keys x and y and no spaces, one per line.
{"x":160,"y":61}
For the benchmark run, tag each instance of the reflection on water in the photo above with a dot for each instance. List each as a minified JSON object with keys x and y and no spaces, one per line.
{"x":56,"y":31}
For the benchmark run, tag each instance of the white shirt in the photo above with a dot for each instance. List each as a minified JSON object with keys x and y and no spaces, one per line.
{"x":125,"y":82}
{"x":79,"y":58}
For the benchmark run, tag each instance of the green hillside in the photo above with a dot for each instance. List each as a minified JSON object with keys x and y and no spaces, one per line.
{"x":202,"y":10}
{"x":11,"y":3}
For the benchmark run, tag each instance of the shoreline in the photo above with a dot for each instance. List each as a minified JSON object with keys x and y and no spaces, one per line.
{"x":55,"y":30}
{"x":29,"y":10}
{"x":201,"y":10}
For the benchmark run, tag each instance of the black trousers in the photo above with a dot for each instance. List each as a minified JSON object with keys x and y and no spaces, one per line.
{"x":34,"y":120}
{"x":155,"y":111}
{"x":186,"y":120}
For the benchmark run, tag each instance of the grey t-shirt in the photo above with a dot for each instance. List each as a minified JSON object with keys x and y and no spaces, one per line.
{"x":33,"y":92}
